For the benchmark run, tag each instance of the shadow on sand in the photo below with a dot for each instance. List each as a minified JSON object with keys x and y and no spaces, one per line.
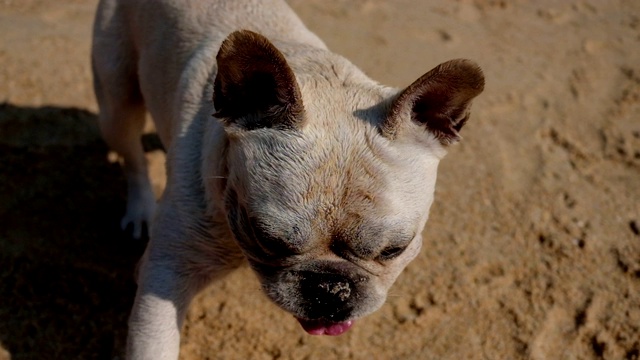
{"x":66,"y":283}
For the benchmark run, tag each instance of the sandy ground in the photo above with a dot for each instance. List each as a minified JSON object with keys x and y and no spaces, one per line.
{"x":533,"y":246}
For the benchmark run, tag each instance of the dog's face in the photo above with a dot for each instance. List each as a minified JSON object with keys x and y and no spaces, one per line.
{"x":330,"y":180}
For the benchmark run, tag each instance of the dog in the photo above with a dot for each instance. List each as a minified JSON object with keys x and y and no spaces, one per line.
{"x":280,"y":154}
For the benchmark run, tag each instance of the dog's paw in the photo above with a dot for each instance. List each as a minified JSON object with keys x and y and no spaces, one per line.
{"x":140,"y":209}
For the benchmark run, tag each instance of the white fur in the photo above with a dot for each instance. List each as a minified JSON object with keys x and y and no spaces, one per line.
{"x":160,"y":55}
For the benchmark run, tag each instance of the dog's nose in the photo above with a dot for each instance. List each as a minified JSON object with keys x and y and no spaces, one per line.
{"x":327,"y":294}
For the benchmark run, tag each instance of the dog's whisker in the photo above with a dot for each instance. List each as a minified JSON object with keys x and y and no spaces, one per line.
{"x":251,"y":291}
{"x":395,"y":295}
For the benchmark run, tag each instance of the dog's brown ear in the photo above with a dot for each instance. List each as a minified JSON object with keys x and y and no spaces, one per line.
{"x":439,"y":100}
{"x":254,"y":86}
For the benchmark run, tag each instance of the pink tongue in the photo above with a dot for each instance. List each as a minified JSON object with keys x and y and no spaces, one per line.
{"x":322,"y":327}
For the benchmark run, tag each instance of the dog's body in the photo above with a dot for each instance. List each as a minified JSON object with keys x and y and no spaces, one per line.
{"x":318,"y":176}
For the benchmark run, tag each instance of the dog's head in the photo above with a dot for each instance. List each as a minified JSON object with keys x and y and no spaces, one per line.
{"x":330,"y":176}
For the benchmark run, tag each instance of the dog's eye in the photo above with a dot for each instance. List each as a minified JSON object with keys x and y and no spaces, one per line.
{"x":391,"y":252}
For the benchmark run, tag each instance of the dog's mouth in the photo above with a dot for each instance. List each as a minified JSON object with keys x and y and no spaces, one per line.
{"x":324,"y":327}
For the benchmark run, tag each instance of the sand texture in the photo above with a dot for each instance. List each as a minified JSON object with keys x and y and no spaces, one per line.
{"x":532,"y":250}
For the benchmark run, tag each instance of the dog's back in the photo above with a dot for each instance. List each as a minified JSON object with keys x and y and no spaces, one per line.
{"x":133,"y":38}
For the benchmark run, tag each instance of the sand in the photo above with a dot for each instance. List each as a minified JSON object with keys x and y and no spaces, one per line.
{"x":532,"y":250}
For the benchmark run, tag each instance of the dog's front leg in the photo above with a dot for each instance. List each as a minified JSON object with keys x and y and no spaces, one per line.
{"x":177,"y":264}
{"x":158,"y":311}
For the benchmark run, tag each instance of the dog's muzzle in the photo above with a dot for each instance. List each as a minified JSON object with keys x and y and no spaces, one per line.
{"x":325,"y":296}
{"x":329,"y":301}
{"x":328,"y":296}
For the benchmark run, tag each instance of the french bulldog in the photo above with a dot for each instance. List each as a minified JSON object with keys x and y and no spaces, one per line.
{"x":280,"y":154}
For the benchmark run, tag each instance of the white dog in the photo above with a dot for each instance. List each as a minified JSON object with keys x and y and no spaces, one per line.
{"x":280,"y":152}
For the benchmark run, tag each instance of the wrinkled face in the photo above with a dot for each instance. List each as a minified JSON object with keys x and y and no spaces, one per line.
{"x":328,"y":219}
{"x":330,"y":176}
